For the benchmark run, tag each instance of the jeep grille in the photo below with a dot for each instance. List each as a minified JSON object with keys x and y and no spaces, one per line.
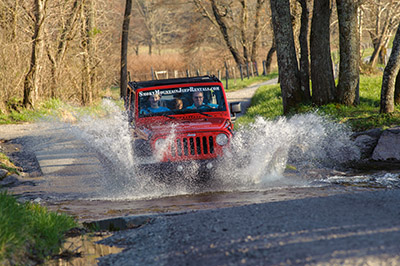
{"x":192,"y":146}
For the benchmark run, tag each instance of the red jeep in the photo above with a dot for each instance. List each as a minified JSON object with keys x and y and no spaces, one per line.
{"x":180,"y":124}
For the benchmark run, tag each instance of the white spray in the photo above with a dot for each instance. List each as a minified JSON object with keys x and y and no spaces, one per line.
{"x":258,"y":157}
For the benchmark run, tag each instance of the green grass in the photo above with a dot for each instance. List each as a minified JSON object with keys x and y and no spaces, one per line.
{"x":240,"y":84}
{"x":267,"y":103}
{"x":29,"y":232}
{"x":6,"y":164}
{"x":55,"y":109}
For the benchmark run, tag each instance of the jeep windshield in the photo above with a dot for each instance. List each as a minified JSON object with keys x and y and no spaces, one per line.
{"x":182,"y":100}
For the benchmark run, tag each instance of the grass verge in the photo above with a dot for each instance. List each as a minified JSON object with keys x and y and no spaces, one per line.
{"x":237,"y":84}
{"x":55,"y":108}
{"x":29,"y":233}
{"x":6,"y":164}
{"x":267,"y":103}
{"x":65,"y":112}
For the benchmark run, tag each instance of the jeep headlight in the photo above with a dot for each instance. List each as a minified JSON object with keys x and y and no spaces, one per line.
{"x":221,"y":139}
{"x":160,"y":143}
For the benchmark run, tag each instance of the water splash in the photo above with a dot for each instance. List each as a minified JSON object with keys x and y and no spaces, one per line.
{"x":258,"y":157}
{"x":306,"y":141}
{"x":376,"y":180}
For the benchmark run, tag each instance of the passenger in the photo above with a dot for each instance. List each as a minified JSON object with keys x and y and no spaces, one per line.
{"x":178,"y":104}
{"x":198,"y":102}
{"x":154,"y":101}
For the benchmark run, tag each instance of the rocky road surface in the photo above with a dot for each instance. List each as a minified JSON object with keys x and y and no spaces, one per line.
{"x":355,"y":227}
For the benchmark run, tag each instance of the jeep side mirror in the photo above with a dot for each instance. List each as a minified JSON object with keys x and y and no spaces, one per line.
{"x":236,"y":107}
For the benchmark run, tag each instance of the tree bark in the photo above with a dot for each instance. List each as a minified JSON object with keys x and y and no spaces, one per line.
{"x":268,"y":62}
{"x":304,"y":54}
{"x":397,"y":89}
{"x":349,"y":40}
{"x":87,"y":45}
{"x":389,"y":76}
{"x":32,"y":77}
{"x":124,"y":49}
{"x":286,"y":53}
{"x":323,"y":83}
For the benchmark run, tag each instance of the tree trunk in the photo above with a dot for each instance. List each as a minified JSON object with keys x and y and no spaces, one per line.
{"x":32,"y":77}
{"x":304,"y":61}
{"x":256,"y":33}
{"x":268,"y":62}
{"x":323,"y":83}
{"x":397,"y":89}
{"x":243,"y":30}
{"x":224,"y":30}
{"x":65,"y":37}
{"x":375,"y":54}
{"x":287,"y":61}
{"x":389,"y":76}
{"x":124,"y":49}
{"x":349,"y":40}
{"x":88,"y":49}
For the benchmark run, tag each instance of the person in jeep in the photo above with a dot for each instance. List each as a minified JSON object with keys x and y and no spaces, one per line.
{"x":154,"y":105}
{"x":198,"y":102}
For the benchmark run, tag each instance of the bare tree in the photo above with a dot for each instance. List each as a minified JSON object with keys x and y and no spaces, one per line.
{"x":239,"y":59}
{"x":158,"y":22}
{"x":287,"y":61}
{"x":381,"y":19}
{"x":11,"y":62}
{"x":124,"y":49}
{"x":31,"y":86}
{"x":257,"y":30}
{"x":43,"y":51}
{"x":240,"y":24}
{"x":87,"y":33}
{"x":64,"y":36}
{"x":323,"y":83}
{"x":349,"y":38}
{"x":389,"y":76}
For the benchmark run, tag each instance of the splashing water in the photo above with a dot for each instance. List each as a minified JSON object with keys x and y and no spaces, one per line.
{"x":303,"y":141}
{"x":258,"y":157}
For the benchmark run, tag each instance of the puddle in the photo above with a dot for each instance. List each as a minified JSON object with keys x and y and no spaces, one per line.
{"x":83,"y":250}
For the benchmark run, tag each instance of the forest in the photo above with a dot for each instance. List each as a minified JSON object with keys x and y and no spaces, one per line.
{"x":74,"y":49}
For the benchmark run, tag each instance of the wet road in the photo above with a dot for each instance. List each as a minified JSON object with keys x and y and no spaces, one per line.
{"x":301,"y":219}
{"x":309,"y":217}
{"x":73,"y":178}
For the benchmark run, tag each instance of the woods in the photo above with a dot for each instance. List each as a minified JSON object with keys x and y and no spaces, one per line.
{"x":55,"y":49}
{"x":73,"y":50}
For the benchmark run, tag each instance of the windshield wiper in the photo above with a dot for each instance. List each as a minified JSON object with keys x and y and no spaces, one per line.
{"x":201,"y":112}
{"x":169,"y":116}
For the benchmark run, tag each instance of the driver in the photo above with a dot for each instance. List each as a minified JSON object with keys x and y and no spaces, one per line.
{"x":198,"y":98}
{"x":154,"y":101}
